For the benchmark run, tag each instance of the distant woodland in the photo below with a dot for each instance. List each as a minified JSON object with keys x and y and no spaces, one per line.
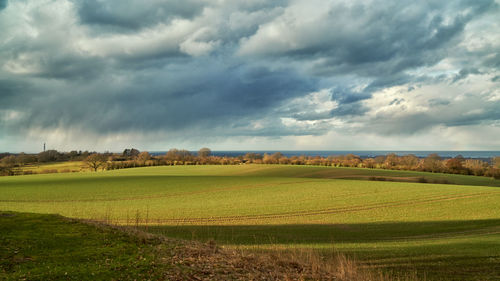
{"x":12,"y":164}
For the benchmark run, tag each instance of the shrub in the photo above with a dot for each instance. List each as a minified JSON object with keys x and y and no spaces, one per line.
{"x":377,"y":178}
{"x":422,"y":180}
{"x":48,"y":171}
{"x":441,"y":181}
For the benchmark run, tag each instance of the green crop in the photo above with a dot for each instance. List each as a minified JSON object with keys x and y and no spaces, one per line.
{"x":386,"y":218}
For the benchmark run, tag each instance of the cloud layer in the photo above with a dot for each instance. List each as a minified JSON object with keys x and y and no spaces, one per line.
{"x":248,"y":74}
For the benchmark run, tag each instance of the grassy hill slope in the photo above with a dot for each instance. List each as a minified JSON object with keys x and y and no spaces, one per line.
{"x":51,"y":247}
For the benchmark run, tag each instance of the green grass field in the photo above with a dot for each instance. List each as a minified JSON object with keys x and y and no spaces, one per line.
{"x":50,"y":247}
{"x":448,"y":231}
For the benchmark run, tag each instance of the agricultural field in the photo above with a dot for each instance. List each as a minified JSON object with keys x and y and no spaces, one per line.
{"x":56,"y":167}
{"x":386,"y":219}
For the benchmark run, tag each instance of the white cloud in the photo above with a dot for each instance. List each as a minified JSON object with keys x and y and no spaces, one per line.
{"x":158,"y":39}
{"x":195,"y":45}
{"x":301,"y":24}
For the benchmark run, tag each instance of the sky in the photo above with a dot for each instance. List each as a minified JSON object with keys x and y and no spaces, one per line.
{"x":249,"y":75}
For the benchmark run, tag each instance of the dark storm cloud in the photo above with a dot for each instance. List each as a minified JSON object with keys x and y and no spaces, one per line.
{"x":374,"y":41}
{"x":351,"y":109}
{"x":230,"y":68}
{"x":73,"y":67}
{"x":493,"y":61}
{"x":388,"y":81}
{"x":9,"y":90}
{"x":346,"y":96}
{"x":396,"y":101}
{"x":383,"y":39}
{"x":349,"y":103}
{"x":312,"y":116}
{"x":179,"y":99}
{"x":464,"y":73}
{"x":448,"y":116}
{"x":132,"y":15}
{"x":409,"y":124}
{"x":438,"y":102}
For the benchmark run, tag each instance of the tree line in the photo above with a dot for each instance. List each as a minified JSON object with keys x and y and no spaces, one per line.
{"x":129,"y":158}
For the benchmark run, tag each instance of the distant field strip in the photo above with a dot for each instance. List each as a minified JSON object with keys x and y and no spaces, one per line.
{"x":431,"y":199}
{"x":451,"y":234}
{"x":156,"y":196}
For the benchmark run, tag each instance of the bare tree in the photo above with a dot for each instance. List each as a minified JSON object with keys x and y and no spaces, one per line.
{"x":95,"y":161}
{"x":143,"y":157}
{"x":432,"y":163}
{"x":7,"y":165}
{"x":204,"y":152}
{"x":496,"y":162}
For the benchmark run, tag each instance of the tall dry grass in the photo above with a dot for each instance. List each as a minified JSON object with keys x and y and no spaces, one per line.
{"x":271,"y":263}
{"x":314,"y":264}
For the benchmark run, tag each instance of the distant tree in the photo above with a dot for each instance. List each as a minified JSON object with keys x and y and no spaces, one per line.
{"x":21,"y":159}
{"x":172,"y":154}
{"x":369,"y":163}
{"x":455,"y":165}
{"x":496,"y":162}
{"x":268,"y":159}
{"x":73,"y":154}
{"x":477,"y":167}
{"x":5,"y":170}
{"x":295,"y":160}
{"x":409,"y":162}
{"x":204,"y":152}
{"x":391,"y":160}
{"x":48,"y":156}
{"x":143,"y":157}
{"x":7,"y":165}
{"x":432,"y":163}
{"x":95,"y":161}
{"x":178,"y":155}
{"x":351,"y":160}
{"x":2,"y":155}
{"x":133,"y":153}
{"x":277,"y":156}
{"x":24,"y":158}
{"x":84,"y":154}
{"x":9,"y":161}
{"x":252,"y":156}
{"x":379,"y":161}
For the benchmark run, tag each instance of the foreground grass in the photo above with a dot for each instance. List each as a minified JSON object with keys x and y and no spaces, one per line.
{"x":50,"y":247}
{"x":439,"y":250}
{"x":441,"y":230}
